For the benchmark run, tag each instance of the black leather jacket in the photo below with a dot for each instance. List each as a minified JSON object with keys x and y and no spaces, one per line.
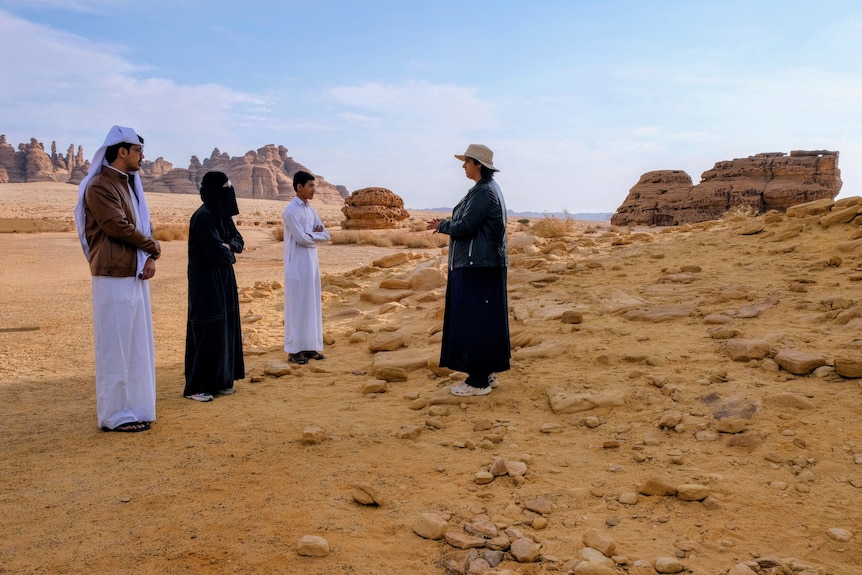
{"x":477,"y":230}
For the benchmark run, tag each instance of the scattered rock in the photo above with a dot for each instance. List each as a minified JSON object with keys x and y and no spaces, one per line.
{"x":277,"y":368}
{"x":600,"y":541}
{"x":798,"y":362}
{"x":691,"y":492}
{"x":839,"y":534}
{"x":312,"y":546}
{"x":747,"y":349}
{"x":524,"y":550}
{"x":409,"y":432}
{"x":430,"y":526}
{"x":668,"y":565}
{"x":366,"y":495}
{"x":539,"y":505}
{"x":463,"y":540}
{"x":657,"y":486}
{"x":313,"y":435}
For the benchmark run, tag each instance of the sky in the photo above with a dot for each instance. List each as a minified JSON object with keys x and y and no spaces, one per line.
{"x":577,"y":98}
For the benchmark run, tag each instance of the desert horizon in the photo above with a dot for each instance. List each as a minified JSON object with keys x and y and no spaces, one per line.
{"x":681,"y":400}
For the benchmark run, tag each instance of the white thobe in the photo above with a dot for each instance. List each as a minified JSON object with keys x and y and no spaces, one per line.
{"x":303,"y":318}
{"x":125,"y":351}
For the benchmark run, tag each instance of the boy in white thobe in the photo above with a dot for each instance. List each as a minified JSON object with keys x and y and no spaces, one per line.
{"x":303,"y":317}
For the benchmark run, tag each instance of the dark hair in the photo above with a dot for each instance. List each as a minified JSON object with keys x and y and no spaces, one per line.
{"x":301,"y":178}
{"x":486,"y":172}
{"x":111,"y":152}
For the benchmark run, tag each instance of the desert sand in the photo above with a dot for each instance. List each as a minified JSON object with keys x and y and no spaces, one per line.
{"x":622,"y":386}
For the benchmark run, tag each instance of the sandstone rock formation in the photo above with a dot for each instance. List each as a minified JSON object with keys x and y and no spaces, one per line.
{"x":31,"y":163}
{"x":763,"y":182}
{"x":373,"y":209}
{"x":265,"y":173}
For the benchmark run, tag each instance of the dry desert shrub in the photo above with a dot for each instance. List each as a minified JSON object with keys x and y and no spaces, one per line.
{"x":551,"y":226}
{"x":29,"y":226}
{"x":171,"y":232}
{"x":278,"y":234}
{"x":388,"y":239}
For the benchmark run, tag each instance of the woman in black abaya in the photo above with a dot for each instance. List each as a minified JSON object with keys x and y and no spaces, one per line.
{"x":213,"y":334}
{"x":476,"y":317}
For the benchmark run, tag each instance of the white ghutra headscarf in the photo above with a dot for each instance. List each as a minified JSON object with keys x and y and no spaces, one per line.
{"x":117,"y":135}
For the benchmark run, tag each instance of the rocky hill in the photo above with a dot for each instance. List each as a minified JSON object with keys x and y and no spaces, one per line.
{"x":265,"y":173}
{"x":763,"y":182}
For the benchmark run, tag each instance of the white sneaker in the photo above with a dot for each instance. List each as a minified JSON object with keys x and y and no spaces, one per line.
{"x":492,"y":381}
{"x":200,"y":397}
{"x":464,"y":390}
{"x":227,"y":391}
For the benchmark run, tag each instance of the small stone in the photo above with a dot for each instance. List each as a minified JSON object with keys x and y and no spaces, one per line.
{"x":409,"y":432}
{"x":483,"y":478}
{"x":366,"y":495}
{"x":741,"y":569}
{"x":628,"y":498}
{"x":313,"y":435}
{"x":839,"y":534}
{"x":376,"y":386}
{"x":592,"y":422}
{"x":778,"y":485}
{"x":595,"y":556}
{"x":551,"y":428}
{"x":670,"y":419}
{"x":312,"y":546}
{"x":731,"y":425}
{"x":711,"y":503}
{"x":494,"y":557}
{"x":587,"y":568}
{"x":668,"y":565}
{"x":539,"y":505}
{"x":524,"y":550}
{"x":572,"y":316}
{"x":539,"y":523}
{"x":500,"y":542}
{"x":434,"y":423}
{"x":692,"y":492}
{"x":516,"y":468}
{"x":478,"y":567}
{"x":430,"y":526}
{"x":483,"y":425}
{"x":462,"y":540}
{"x":418,"y":404}
{"x":277,"y":368}
{"x":498,"y":467}
{"x":481,"y":526}
{"x":600,"y":541}
{"x":657,"y":486}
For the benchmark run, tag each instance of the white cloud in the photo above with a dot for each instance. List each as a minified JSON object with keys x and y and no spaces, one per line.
{"x":64,"y":86}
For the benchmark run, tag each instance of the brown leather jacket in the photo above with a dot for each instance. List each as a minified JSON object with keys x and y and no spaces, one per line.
{"x":110,"y":226}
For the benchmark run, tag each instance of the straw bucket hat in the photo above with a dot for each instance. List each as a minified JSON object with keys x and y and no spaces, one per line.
{"x":481,"y":154}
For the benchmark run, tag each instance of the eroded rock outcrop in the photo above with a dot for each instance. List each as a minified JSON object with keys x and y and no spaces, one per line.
{"x":31,"y":163}
{"x":763,"y":182}
{"x":373,"y":209}
{"x":265,"y":173}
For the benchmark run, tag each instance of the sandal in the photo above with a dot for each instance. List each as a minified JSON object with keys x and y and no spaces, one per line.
{"x":131,"y":427}
{"x":297,"y":358}
{"x":313,"y":355}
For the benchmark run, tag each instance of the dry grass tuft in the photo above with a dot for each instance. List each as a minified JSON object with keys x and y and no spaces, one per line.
{"x":390,"y":238}
{"x":171,"y":232}
{"x":32,"y":226}
{"x":278,"y":234}
{"x":739,"y":213}
{"x":553,"y":227}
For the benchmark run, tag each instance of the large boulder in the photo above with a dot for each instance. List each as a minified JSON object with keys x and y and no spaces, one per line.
{"x":373,"y":209}
{"x":763,"y":182}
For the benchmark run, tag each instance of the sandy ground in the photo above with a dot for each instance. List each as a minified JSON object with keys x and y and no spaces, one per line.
{"x":638,"y":390}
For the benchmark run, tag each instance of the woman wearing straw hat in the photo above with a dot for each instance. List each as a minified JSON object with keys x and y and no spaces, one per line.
{"x":476,"y":318}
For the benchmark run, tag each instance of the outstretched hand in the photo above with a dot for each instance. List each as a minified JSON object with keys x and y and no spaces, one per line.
{"x":433,"y":224}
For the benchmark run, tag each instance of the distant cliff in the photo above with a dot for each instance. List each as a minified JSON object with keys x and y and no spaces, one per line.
{"x":266,"y":173}
{"x":763,"y":182}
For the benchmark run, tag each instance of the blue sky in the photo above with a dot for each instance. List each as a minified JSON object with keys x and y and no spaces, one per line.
{"x":577,"y":98}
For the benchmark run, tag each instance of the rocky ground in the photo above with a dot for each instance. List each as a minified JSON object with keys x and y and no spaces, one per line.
{"x":680,"y":400}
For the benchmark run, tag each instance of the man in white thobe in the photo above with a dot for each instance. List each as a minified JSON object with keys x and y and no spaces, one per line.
{"x":303,"y":317}
{"x":114,"y":227}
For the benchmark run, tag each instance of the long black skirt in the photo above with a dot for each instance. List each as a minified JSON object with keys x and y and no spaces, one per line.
{"x":476,"y":322}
